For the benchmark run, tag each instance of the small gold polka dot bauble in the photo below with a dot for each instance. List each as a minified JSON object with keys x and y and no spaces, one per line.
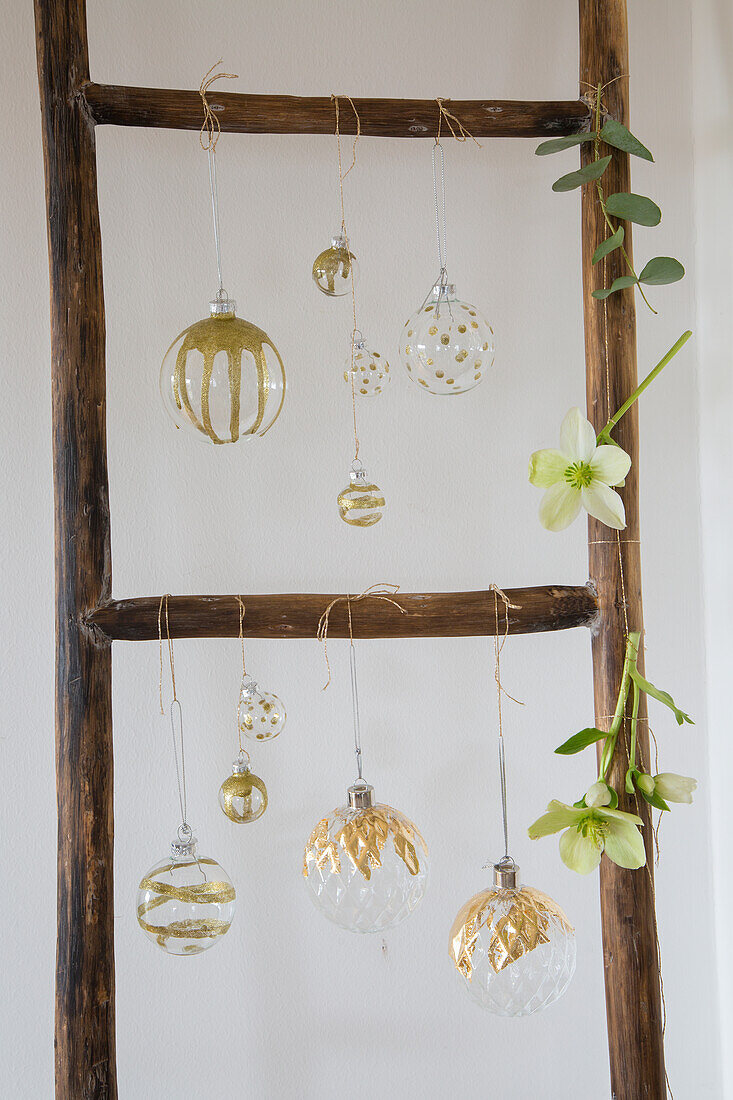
{"x":261,"y":714}
{"x":447,"y":347}
{"x":370,"y":369}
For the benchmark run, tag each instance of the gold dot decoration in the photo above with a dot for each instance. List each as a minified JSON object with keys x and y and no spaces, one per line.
{"x":261,"y":714}
{"x":450,"y":346}
{"x":371,"y":371}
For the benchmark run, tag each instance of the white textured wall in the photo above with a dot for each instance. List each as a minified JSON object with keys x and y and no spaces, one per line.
{"x":287,"y":1006}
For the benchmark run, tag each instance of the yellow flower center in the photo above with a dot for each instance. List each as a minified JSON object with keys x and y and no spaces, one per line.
{"x":595,"y":829}
{"x":579,"y":475}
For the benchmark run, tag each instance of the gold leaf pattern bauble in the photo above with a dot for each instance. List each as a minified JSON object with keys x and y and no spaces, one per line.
{"x":366,"y":869}
{"x":223,"y":377}
{"x":514,"y":949}
{"x":370,"y":370}
{"x":360,"y":501}
{"x":333,"y":268}
{"x":447,"y":347}
{"x":261,"y":714}
{"x":186,"y":904}
{"x":243,"y":795}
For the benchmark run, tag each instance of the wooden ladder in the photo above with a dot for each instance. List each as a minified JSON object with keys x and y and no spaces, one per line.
{"x":88,"y":620}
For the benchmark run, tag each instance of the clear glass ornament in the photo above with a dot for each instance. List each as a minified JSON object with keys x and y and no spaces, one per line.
{"x":447,"y":347}
{"x":360,"y":503}
{"x":370,"y":369}
{"x":513,"y":947}
{"x":243,"y":795}
{"x":261,"y":714}
{"x":365,"y":865}
{"x":223,"y":377}
{"x":333,"y":268}
{"x":185,"y":903}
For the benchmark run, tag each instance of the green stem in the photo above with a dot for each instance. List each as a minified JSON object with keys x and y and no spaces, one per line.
{"x":634,"y":723}
{"x":601,"y":199}
{"x":632,"y":652}
{"x":604,"y":434}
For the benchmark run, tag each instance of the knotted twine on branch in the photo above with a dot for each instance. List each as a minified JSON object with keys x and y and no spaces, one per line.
{"x":379,"y":591}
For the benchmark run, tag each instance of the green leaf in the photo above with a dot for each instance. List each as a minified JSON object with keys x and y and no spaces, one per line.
{"x":580,"y":741}
{"x":618,"y":284}
{"x":580,"y":805}
{"x":614,"y":241}
{"x":662,"y":270}
{"x":592,"y":171}
{"x":556,"y":145}
{"x":615,"y":133}
{"x":633,"y":208}
{"x":655,"y":800}
{"x":660,"y":696}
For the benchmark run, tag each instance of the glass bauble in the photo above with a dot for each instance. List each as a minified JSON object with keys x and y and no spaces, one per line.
{"x":223,"y":377}
{"x":333,"y":268}
{"x":447,"y":347}
{"x":185,"y":903}
{"x":365,"y":864}
{"x":360,"y":503}
{"x":243,"y":795}
{"x":370,"y":369}
{"x":513,"y":949}
{"x":261,"y":714}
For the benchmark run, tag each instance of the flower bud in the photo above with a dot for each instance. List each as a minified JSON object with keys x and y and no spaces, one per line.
{"x":674,"y":788}
{"x":645,"y":783}
{"x":598,"y":795}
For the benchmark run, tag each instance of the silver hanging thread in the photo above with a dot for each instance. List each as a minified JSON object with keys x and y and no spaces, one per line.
{"x":500,"y":690}
{"x":213,"y":187}
{"x":355,"y":698}
{"x":184,"y":830}
{"x":440,"y":207}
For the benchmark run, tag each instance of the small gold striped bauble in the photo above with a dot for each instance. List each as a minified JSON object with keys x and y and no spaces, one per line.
{"x":360,"y":503}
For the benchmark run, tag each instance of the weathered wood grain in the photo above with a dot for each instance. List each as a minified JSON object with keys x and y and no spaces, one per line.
{"x":633,"y":1005}
{"x":429,"y":615}
{"x":85,"y":1015}
{"x":286,"y":114}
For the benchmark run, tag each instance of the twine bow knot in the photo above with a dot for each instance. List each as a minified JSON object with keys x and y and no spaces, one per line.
{"x":379,"y":591}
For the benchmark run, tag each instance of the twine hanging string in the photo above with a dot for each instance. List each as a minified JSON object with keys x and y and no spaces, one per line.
{"x":345,"y":235}
{"x":184,"y":829}
{"x":443,"y":113}
{"x":381,"y":591}
{"x":501,"y":690}
{"x":242,"y":751}
{"x":208,"y":137}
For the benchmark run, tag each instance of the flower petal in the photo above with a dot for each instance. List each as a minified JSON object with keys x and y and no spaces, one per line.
{"x":598,"y":794}
{"x":674,"y":788}
{"x":546,"y":468}
{"x":577,"y":437}
{"x":610,"y":464}
{"x":605,"y":504}
{"x":619,"y":815}
{"x":558,"y":817}
{"x":625,"y":845}
{"x":579,"y":853}
{"x":559,"y":507}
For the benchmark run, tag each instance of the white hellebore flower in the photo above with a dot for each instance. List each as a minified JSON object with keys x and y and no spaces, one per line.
{"x":579,"y":473}
{"x":674,"y":788}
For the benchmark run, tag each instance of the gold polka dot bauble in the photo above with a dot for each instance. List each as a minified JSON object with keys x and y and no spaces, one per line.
{"x":447,"y":347}
{"x":261,"y":714}
{"x":369,"y":368}
{"x":333,"y":268}
{"x":360,"y":503}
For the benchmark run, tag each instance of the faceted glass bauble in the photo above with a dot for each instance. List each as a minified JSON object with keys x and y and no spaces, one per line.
{"x":366,"y":869}
{"x":185,"y":903}
{"x":261,"y":714}
{"x":333,"y":268}
{"x":447,"y":347}
{"x":360,"y":503}
{"x":513,"y":949}
{"x":243,"y":795}
{"x":370,"y":370}
{"x":223,"y":378}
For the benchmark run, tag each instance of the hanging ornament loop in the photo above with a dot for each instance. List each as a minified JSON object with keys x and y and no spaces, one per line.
{"x":208,"y":137}
{"x":507,"y":862}
{"x":176,"y":719}
{"x":379,"y":591}
{"x":439,"y":194}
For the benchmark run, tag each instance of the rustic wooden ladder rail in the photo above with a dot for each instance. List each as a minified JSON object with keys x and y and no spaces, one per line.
{"x":87,"y":619}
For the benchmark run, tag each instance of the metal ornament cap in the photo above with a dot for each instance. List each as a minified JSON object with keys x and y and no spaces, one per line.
{"x":361,"y":796}
{"x":506,"y":874}
{"x":182,"y":849}
{"x":219,"y":306}
{"x":444,"y":291}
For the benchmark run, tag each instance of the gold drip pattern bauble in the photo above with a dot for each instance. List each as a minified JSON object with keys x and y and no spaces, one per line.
{"x":223,"y":377}
{"x":333,"y":268}
{"x":243,"y":795}
{"x":513,"y":949}
{"x":365,"y":865}
{"x":360,"y":503}
{"x":261,"y":714}
{"x":447,"y":347}
{"x":185,"y":903}
{"x":369,"y":368}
